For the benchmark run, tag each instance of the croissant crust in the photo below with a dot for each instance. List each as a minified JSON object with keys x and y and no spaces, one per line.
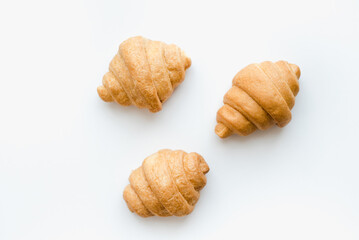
{"x":144,"y":73}
{"x":167,"y":184}
{"x":261,"y":95}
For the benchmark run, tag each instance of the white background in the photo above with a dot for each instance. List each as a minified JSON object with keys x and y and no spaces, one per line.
{"x":65,"y":155}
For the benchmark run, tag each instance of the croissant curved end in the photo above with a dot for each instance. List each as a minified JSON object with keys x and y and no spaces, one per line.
{"x":296,"y":69}
{"x":222,"y":130}
{"x":104,"y":94}
{"x":187,"y":61}
{"x":203,"y":166}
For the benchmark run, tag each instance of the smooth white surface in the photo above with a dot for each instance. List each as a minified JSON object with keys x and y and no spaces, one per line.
{"x":65,"y":155}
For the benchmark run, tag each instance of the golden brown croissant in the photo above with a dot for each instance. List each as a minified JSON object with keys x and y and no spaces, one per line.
{"x":144,"y":73}
{"x":167,"y":183}
{"x":261,"y":95}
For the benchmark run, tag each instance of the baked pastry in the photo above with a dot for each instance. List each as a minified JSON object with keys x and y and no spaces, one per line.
{"x":261,"y":95}
{"x":144,"y":73}
{"x":167,"y":183}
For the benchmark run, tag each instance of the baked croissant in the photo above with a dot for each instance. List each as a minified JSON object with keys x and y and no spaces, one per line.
{"x":144,"y":73}
{"x":167,"y":183}
{"x":261,"y":95}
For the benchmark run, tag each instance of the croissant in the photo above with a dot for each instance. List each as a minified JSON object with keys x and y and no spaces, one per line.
{"x":144,"y":73}
{"x":167,"y":183}
{"x":261,"y":95}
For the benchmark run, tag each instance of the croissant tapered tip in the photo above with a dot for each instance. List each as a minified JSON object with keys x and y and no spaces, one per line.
{"x":104,"y":94}
{"x":203,"y":166}
{"x":156,"y":109}
{"x":134,"y":203}
{"x":222,"y":130}
{"x":186,"y":60}
{"x":296,"y":70}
